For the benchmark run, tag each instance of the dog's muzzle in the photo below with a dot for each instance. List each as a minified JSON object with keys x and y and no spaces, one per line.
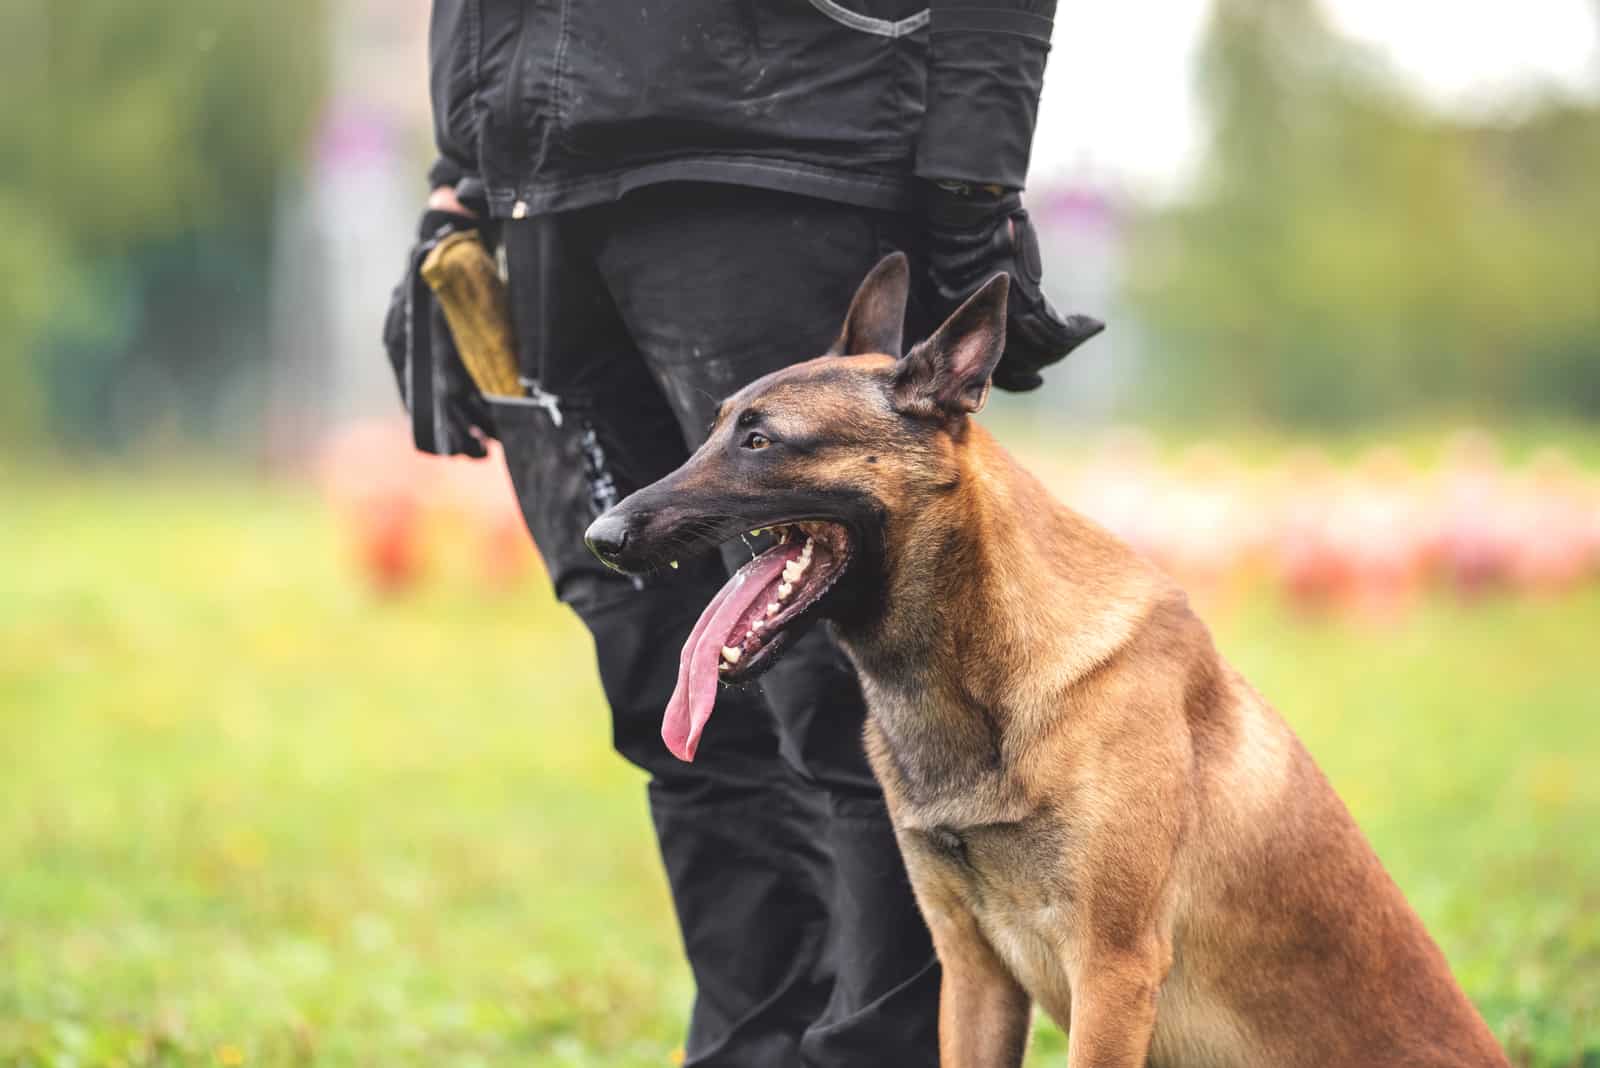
{"x":607,"y":537}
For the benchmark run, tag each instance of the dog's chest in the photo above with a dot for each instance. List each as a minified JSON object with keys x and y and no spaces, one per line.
{"x":1013,"y":879}
{"x":936,"y":753}
{"x":974,"y":841}
{"x":1016,"y":881}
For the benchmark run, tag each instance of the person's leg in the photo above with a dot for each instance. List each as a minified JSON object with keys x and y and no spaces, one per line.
{"x":738,"y":843}
{"x":718,"y":285}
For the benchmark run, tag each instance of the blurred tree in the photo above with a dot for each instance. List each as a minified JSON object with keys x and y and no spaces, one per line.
{"x":1351,"y":254}
{"x":142,"y":146}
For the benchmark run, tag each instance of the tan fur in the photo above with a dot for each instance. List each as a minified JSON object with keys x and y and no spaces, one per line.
{"x":1097,"y":812}
{"x":1153,"y":857}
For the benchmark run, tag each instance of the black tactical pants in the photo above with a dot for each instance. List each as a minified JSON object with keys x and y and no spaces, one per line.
{"x":640,"y":316}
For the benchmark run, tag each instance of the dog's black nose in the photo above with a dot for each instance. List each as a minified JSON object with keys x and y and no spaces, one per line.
{"x":607,"y":536}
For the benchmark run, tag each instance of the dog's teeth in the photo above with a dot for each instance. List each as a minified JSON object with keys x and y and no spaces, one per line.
{"x":731,"y":653}
{"x":772,"y":609}
{"x":793,"y":570}
{"x":784,"y":589}
{"x":723,"y":666}
{"x":757,"y":625}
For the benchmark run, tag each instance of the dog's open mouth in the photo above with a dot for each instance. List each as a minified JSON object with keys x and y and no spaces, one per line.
{"x":746,"y":625}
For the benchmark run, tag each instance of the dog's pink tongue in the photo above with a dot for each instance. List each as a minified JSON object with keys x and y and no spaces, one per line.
{"x":690,"y":706}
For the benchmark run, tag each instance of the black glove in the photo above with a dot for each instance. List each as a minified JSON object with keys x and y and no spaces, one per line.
{"x":972,"y":236}
{"x":448,"y":414}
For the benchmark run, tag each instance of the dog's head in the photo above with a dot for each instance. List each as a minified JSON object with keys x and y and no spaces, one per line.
{"x":836,"y":457}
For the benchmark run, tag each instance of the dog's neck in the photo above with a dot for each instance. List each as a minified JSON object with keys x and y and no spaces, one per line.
{"x":998,"y":599}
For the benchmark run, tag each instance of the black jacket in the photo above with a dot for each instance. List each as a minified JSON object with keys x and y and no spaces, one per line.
{"x":558,"y":104}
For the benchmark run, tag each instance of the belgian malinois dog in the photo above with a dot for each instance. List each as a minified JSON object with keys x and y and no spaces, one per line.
{"x":1097,"y":812}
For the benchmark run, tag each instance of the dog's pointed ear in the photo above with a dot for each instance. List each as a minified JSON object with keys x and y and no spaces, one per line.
{"x":877,"y":315}
{"x":947,"y":376}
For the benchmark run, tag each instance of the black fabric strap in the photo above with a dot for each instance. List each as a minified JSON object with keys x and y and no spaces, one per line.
{"x":426,"y":393}
{"x":422,"y":397}
{"x":991,"y":20}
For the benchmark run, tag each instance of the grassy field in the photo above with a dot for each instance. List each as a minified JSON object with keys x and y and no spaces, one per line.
{"x":252,"y":814}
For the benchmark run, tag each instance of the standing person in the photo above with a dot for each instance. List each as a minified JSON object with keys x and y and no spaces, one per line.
{"x":685,"y":195}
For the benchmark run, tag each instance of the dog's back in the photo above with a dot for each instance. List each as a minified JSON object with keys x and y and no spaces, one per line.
{"x":1290,"y":940}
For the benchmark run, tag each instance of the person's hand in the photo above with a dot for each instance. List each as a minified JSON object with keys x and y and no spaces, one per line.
{"x":446,"y":209}
{"x":973,"y":234}
{"x":444,"y":198}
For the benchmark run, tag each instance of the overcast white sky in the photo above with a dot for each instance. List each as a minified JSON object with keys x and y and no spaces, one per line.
{"x":1119,"y":101}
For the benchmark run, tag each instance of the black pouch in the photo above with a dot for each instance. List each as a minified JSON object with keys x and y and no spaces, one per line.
{"x":448,"y":416}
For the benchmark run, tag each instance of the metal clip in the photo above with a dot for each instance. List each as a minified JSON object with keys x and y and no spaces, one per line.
{"x":548,"y":401}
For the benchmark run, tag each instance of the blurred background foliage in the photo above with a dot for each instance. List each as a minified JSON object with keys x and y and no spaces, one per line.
{"x":144,"y":148}
{"x":1350,"y":256}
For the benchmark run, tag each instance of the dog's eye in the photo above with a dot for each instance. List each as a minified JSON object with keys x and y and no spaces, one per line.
{"x":757,"y":440}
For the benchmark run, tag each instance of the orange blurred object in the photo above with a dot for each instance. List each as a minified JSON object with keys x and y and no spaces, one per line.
{"x":387,"y":543}
{"x":397,"y":504}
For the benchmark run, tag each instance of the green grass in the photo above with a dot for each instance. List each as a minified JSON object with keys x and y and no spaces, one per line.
{"x":250,"y":813}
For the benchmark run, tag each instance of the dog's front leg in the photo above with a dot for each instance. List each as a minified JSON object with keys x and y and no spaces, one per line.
{"x":984,"y":1013}
{"x":1114,"y":1007}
